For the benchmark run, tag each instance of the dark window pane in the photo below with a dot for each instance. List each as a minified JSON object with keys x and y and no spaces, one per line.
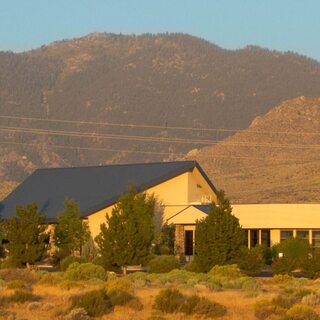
{"x":265,"y":237}
{"x":188,"y":242}
{"x":304,"y":234}
{"x":285,"y":234}
{"x":254,"y":234}
{"x":316,"y":239}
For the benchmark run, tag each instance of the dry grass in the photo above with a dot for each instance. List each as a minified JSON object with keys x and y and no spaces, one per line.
{"x":238,"y":303}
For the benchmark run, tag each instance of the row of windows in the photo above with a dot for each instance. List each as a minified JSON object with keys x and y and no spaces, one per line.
{"x":313,"y":237}
{"x":304,"y":234}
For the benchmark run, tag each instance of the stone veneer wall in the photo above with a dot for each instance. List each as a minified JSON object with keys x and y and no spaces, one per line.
{"x":179,"y":247}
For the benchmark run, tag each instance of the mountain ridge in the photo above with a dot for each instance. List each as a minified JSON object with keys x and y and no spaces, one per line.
{"x":168,"y":80}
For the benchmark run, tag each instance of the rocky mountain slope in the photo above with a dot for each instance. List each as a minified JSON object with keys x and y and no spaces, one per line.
{"x":155,"y":82}
{"x":275,"y":160}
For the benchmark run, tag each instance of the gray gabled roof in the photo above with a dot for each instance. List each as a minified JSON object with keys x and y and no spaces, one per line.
{"x":93,"y":188}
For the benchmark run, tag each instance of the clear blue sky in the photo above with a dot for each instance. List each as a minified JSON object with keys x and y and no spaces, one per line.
{"x":275,"y":24}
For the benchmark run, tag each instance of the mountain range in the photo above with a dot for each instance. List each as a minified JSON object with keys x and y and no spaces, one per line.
{"x":107,"y":98}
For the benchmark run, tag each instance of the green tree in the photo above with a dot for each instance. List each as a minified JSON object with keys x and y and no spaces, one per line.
{"x":127,"y":236}
{"x":71,"y":232}
{"x":25,"y":232}
{"x":219,"y":236}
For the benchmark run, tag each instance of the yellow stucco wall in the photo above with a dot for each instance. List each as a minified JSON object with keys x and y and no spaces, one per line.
{"x":173,"y":195}
{"x":274,"y":237}
{"x":278,"y":216}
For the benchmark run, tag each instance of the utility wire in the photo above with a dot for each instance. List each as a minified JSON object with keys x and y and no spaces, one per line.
{"x":153,"y":139}
{"x":156,"y":126}
{"x":151,"y":152}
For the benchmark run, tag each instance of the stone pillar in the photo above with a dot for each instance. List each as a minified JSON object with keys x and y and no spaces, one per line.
{"x":179,"y":247}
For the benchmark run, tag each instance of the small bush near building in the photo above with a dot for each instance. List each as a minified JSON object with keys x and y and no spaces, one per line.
{"x":169,"y":300}
{"x":67,"y":261}
{"x":284,"y":265}
{"x":95,"y":303}
{"x":310,"y":265}
{"x":294,"y":248}
{"x":230,"y":271}
{"x":251,"y":261}
{"x":85,"y":271}
{"x":163,"y":264}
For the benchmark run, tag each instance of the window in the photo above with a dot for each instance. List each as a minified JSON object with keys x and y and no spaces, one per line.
{"x":265,"y":237}
{"x":316,"y":239}
{"x":303,"y":234}
{"x":247,"y":236}
{"x":254,"y":238}
{"x":285,"y":234}
{"x":188,"y":242}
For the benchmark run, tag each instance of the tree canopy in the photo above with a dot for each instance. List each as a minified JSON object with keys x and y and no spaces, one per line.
{"x":127,"y":235}
{"x":25,"y":232}
{"x":71,"y":232}
{"x":219,"y":236}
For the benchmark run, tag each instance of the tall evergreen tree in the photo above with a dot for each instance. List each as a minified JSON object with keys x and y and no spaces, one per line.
{"x":26,"y":235}
{"x":127,"y":236}
{"x":71,"y":232}
{"x":219,"y":236}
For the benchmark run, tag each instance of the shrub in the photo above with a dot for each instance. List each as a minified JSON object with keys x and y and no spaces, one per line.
{"x":311,"y":299}
{"x":119,"y":297}
{"x":209,"y":309}
{"x":192,"y":266}
{"x":140,"y":279}
{"x":284,"y":265}
{"x":189,"y":304}
{"x":69,"y":284}
{"x":301,"y":312}
{"x":135,"y":304}
{"x":21,"y":296}
{"x":67,"y":261}
{"x":294,"y":248}
{"x":15,"y":284}
{"x":24,"y":275}
{"x":251,"y":261}
{"x":285,"y":301}
{"x":77,"y":314}
{"x":121,"y":284}
{"x":168,"y":300}
{"x":85,"y":271}
{"x":34,"y":305}
{"x":310,"y":265}
{"x":96,"y":303}
{"x":50,"y":279}
{"x":230,"y":271}
{"x":263,"y":309}
{"x":163,"y":264}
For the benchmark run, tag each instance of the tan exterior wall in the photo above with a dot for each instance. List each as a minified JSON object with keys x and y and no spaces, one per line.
{"x":278,"y":216}
{"x":274,"y":237}
{"x":174,"y":195}
{"x":98,"y":218}
{"x":198,"y":188}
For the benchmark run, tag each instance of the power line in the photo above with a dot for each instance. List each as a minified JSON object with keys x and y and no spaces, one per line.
{"x":156,"y":126}
{"x":91,"y":148}
{"x":152,"y":139}
{"x":151,"y":152}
